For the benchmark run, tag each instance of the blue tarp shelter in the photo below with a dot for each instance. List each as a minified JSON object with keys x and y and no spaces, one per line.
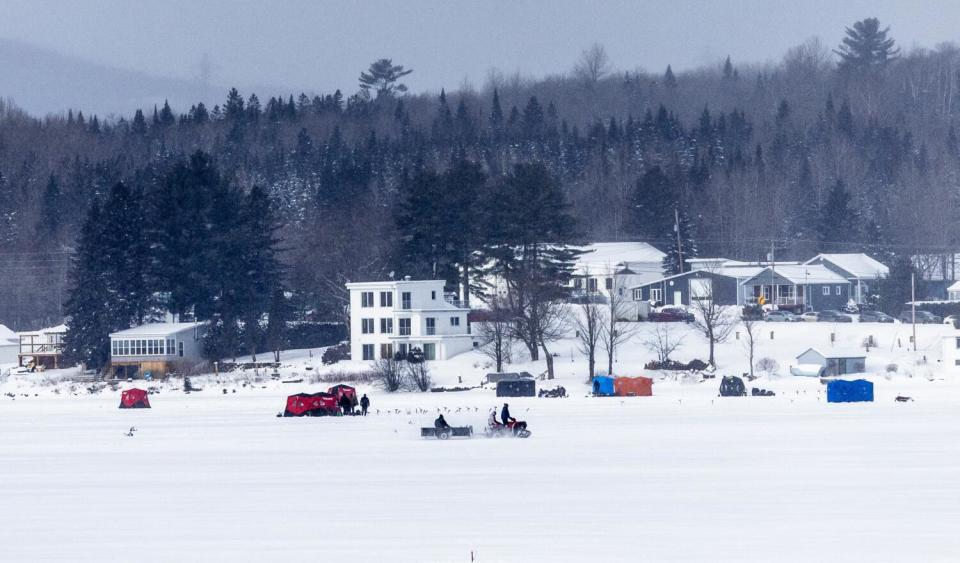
{"x":842,"y":391}
{"x":603,"y":386}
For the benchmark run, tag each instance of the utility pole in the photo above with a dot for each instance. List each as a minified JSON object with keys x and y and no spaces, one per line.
{"x":773,"y":274}
{"x":676,"y":229}
{"x":913,"y":308}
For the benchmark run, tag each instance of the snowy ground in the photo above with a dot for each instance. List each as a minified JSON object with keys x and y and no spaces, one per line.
{"x":683,"y":475}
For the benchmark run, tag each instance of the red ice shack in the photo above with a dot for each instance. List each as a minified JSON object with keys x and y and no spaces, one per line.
{"x":134,"y":399}
{"x":341,"y":390}
{"x":311,"y":404}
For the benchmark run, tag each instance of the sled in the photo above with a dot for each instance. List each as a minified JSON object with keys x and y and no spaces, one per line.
{"x":446,"y":433}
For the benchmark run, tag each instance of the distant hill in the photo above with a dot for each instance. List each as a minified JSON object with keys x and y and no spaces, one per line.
{"x":42,"y":81}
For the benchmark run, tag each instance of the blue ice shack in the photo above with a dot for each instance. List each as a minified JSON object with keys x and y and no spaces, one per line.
{"x":603,"y":386}
{"x":842,"y":391}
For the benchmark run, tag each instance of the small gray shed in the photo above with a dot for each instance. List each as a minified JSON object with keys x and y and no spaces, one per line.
{"x":835,"y":361}
{"x":508,"y":376}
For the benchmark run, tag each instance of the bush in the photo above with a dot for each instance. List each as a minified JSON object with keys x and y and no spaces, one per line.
{"x":892,"y":368}
{"x":419,"y":375}
{"x":673,"y":365}
{"x":389,"y":373}
{"x":336,"y":354}
{"x":768,"y":366}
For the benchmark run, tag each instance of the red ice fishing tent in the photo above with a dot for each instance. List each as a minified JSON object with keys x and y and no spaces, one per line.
{"x":134,"y":399}
{"x":341,"y":390}
{"x":633,"y":387}
{"x":311,"y":404}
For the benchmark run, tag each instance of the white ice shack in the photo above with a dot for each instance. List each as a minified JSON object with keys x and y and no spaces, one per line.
{"x":392,"y":317}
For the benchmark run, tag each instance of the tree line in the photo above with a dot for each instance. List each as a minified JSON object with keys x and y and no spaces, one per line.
{"x":848,"y":151}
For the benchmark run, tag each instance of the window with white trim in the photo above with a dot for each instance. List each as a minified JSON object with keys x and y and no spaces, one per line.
{"x":656,"y":294}
{"x":366,"y":299}
{"x":838,"y":289}
{"x":454,"y":321}
{"x":826,"y":290}
{"x":386,"y":299}
{"x":368,"y":352}
{"x":366,"y":326}
{"x":386,"y":326}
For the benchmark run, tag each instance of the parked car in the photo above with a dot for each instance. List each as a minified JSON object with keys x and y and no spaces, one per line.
{"x":923,"y":317}
{"x":670,"y":315}
{"x":868,"y":316}
{"x":810,"y":316}
{"x":953,"y":320}
{"x":781,"y":317}
{"x":831,"y":316}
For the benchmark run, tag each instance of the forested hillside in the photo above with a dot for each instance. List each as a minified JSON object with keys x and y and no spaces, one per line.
{"x":849,"y":150}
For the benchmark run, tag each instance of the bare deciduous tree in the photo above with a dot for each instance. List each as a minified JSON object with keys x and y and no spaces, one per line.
{"x":750,"y":332}
{"x":615,"y":330}
{"x":714,"y":321}
{"x":588,"y":320}
{"x":496,"y":333}
{"x":663,"y":341}
{"x":592,"y":65}
{"x":419,"y":375}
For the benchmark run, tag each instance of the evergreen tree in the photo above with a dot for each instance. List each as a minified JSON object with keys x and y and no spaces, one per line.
{"x":838,"y":219}
{"x":261,"y":270}
{"x":728,"y":71}
{"x":382,"y":77}
{"x":50,"y":213}
{"x":669,"y":80}
{"x":496,"y":112}
{"x":654,"y":199}
{"x":894,"y":291}
{"x":88,"y":306}
{"x":139,"y":125}
{"x":166,"y":115}
{"x":681,"y":230}
{"x":866,"y":46}
{"x":233,"y":108}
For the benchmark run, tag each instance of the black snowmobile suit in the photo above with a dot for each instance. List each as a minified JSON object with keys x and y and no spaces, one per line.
{"x":505,"y":415}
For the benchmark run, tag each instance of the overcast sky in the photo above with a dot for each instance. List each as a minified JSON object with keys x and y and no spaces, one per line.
{"x":317,"y":46}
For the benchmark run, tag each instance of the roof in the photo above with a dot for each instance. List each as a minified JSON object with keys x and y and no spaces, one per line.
{"x":859,"y":265}
{"x":801,"y":274}
{"x":954,"y":287}
{"x":659,"y":279}
{"x":839,"y":352}
{"x":8,"y":336}
{"x":391,"y":283}
{"x":611,"y":256}
{"x":156,"y":329}
{"x":59,"y":329}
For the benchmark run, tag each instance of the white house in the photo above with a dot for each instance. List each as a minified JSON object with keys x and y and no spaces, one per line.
{"x":155,"y":349}
{"x":859,"y":269}
{"x":392,"y":317}
{"x":42,"y":348}
{"x":604,"y":266}
{"x":9,"y":345}
{"x":953,"y":292}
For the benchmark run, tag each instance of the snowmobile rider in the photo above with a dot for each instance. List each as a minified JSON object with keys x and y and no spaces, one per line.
{"x":505,"y":415}
{"x":364,"y":404}
{"x":492,"y":421}
{"x":346,"y":404}
{"x":440,"y":422}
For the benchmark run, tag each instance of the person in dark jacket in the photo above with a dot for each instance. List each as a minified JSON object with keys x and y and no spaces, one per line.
{"x":440,"y":422}
{"x":346,"y":404}
{"x":364,"y":404}
{"x":505,"y":415}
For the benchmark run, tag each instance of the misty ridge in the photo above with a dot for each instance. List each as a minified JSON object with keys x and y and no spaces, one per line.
{"x":848,"y":147}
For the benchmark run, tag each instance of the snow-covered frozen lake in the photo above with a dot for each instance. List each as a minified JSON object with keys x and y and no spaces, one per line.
{"x":683,"y":475}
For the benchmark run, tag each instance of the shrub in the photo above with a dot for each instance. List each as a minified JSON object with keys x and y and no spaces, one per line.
{"x":389,"y":373}
{"x":419,"y":375}
{"x":892,"y":368}
{"x":768,"y":366}
{"x":336,"y":354}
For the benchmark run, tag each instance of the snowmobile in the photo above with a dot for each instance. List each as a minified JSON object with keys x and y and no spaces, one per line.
{"x":517,"y":429}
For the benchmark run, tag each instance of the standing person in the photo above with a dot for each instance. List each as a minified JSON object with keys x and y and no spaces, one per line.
{"x":346,"y":404}
{"x":505,"y":415}
{"x":364,"y":404}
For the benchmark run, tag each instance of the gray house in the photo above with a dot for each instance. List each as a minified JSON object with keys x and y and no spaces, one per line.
{"x":683,"y":289}
{"x":859,"y":269}
{"x":835,"y":362}
{"x":798,"y":287}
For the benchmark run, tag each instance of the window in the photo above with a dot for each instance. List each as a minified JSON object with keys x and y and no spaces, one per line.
{"x":429,"y":351}
{"x":608,"y":283}
{"x":956,"y":362}
{"x":386,"y":326}
{"x":366,"y":299}
{"x":433,"y":295}
{"x":958,"y":342}
{"x":637,"y":294}
{"x":591,"y":284}
{"x":431,"y":326}
{"x":404,"y":327}
{"x":368,"y":352}
{"x":386,"y":299}
{"x":578,"y":283}
{"x":656,"y":294}
{"x":386,"y":351}
{"x":171,"y":347}
{"x":180,"y":348}
{"x":838,"y":289}
{"x":454,"y":321}
{"x":405,"y":300}
{"x":826,"y":290}
{"x":366,"y":326}
{"x":402,"y":349}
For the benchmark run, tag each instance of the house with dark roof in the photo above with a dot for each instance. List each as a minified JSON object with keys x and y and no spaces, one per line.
{"x":860,"y":270}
